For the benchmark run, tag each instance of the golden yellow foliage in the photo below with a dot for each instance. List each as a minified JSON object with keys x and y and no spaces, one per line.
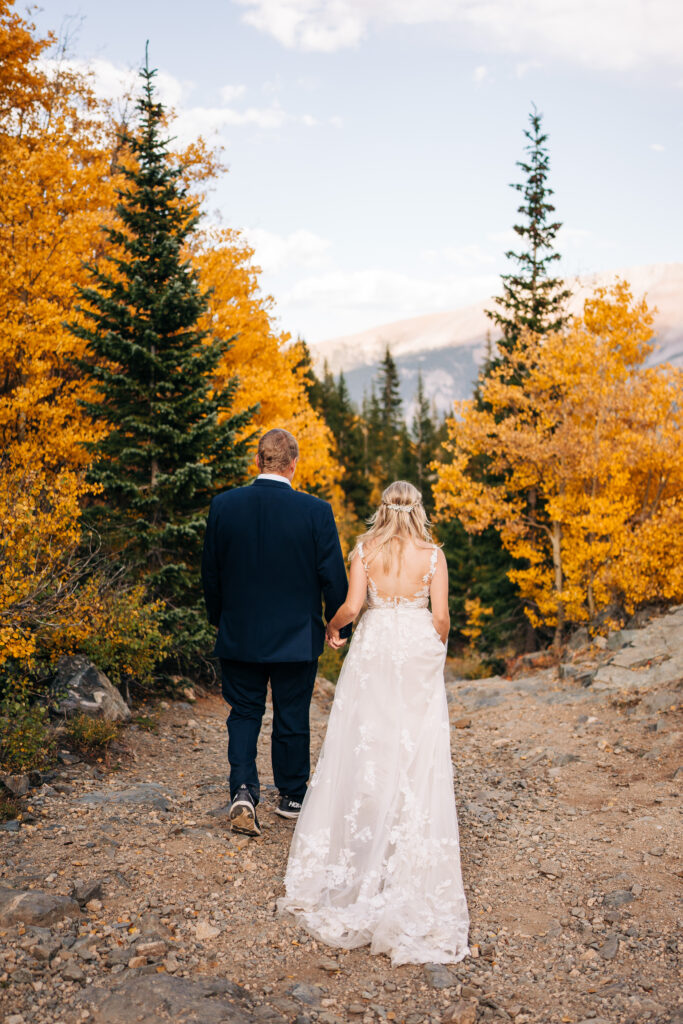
{"x":596,"y":439}
{"x":55,"y":190}
{"x":265,"y":361}
{"x":39,"y":527}
{"x":476,"y":614}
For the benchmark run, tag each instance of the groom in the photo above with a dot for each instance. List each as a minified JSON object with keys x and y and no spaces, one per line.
{"x":270,"y":553}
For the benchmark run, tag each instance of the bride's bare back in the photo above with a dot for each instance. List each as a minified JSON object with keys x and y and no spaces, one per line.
{"x":408,"y":574}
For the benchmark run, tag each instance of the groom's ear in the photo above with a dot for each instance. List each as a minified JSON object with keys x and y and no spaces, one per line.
{"x":257,"y":461}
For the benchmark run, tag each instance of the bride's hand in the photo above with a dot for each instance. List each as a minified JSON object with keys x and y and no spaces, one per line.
{"x":333,"y":638}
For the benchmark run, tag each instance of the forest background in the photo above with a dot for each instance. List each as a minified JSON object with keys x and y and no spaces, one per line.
{"x":139,"y":362}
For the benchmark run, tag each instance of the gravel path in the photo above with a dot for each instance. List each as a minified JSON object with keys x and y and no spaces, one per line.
{"x":124,"y":897}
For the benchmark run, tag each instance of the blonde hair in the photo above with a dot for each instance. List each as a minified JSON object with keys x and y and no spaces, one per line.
{"x":400,"y":517}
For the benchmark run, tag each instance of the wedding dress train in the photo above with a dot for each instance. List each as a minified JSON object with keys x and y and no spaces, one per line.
{"x":375,"y":856}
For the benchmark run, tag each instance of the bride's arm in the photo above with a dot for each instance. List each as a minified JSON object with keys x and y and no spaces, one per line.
{"x":355,"y":597}
{"x":438,"y":595}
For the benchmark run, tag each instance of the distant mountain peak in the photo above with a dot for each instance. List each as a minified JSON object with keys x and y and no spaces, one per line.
{"x":449,"y":347}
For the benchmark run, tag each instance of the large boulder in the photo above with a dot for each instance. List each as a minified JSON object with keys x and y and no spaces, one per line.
{"x":80,"y":687}
{"x":152,"y":998}
{"x":32,"y":907}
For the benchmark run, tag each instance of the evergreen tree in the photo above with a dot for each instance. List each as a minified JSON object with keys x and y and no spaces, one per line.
{"x":424,"y":431}
{"x":310,"y":381}
{"x":390,"y":401}
{"x":172,"y":440}
{"x":391,"y":450}
{"x":532,"y":299}
{"x":372,"y":419}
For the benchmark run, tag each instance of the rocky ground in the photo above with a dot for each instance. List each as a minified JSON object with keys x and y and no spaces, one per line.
{"x":124,"y":897}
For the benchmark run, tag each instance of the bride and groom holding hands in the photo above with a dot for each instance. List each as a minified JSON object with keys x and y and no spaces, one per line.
{"x":375,"y":855}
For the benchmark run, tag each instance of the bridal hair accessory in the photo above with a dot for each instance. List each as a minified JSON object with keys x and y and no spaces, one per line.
{"x":400,"y":508}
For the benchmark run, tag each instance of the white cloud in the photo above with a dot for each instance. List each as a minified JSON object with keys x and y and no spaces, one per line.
{"x":480,"y":73}
{"x":273,"y":252}
{"x":523,"y":67}
{"x":658,"y":147}
{"x":462,"y":256}
{"x":386,"y":293}
{"x":606,"y":34}
{"x":110,"y":82}
{"x":232,"y":92}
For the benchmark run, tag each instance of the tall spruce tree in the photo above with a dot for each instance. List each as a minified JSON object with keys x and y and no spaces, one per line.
{"x":172,"y":440}
{"x":391,"y":441}
{"x":532,"y":302}
{"x":424,"y":432}
{"x":348,"y":431}
{"x":532,"y":299}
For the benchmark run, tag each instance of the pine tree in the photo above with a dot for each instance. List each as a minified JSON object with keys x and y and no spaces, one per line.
{"x":390,"y":397}
{"x":391,"y":452}
{"x":532,"y":299}
{"x":350,"y":439}
{"x":172,"y":442}
{"x":424,"y":431}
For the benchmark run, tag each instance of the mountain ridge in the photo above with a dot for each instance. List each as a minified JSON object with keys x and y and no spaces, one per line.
{"x":449,"y":347}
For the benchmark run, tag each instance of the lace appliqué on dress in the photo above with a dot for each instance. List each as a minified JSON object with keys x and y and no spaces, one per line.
{"x":375,"y":856}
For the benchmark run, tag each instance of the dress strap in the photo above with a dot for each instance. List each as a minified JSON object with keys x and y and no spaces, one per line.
{"x":429,"y":575}
{"x":361,"y":555}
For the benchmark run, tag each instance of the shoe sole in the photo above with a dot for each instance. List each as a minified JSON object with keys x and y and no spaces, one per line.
{"x":287,"y":814}
{"x":242,"y":820}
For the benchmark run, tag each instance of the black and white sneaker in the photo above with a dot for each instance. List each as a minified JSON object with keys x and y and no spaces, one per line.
{"x":243,"y":813}
{"x":288,"y":808}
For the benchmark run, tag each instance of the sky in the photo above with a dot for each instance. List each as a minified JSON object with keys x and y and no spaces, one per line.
{"x":370,"y":144}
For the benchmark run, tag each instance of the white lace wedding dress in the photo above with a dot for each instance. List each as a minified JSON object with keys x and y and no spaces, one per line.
{"x":375,"y":856}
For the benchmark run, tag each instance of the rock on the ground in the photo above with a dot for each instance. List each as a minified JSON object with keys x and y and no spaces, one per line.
{"x":88,"y":691}
{"x":85,"y":890}
{"x":308,"y":994}
{"x":149,"y":794}
{"x":144,"y":998}
{"x":618,"y":898}
{"x":72,"y":972}
{"x":553,"y":868}
{"x":439,"y":976}
{"x":31,"y":906}
{"x":460,"y":1012}
{"x":17,"y":785}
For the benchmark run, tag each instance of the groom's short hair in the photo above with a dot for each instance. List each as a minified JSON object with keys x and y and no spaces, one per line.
{"x":276,"y":450}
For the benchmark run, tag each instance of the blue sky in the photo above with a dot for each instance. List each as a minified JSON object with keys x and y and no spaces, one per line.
{"x":370,"y":143}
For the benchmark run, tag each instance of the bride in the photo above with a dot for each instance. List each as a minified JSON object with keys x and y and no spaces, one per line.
{"x":375,"y":856}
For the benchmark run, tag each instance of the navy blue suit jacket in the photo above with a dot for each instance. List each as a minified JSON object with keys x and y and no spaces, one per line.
{"x":271,"y":554}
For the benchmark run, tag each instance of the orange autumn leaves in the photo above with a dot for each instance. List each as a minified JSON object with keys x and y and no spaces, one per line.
{"x":583,"y":446}
{"x":263,"y":360}
{"x":59,"y":158}
{"x":54,"y":193}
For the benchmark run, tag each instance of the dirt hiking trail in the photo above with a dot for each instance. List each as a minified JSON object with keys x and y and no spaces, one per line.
{"x":125,"y":898}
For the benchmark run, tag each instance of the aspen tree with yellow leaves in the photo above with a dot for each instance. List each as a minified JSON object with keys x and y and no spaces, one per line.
{"x":269,"y":369}
{"x":62,"y":160}
{"x":55,"y":189}
{"x":600,"y":437}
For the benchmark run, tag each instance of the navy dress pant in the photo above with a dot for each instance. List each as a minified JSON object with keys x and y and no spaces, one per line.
{"x":245,"y":685}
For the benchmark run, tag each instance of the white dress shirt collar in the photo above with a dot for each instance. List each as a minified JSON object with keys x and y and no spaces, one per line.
{"x":274,"y":476}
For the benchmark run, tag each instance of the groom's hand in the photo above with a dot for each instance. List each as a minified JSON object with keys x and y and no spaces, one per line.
{"x":333,"y":638}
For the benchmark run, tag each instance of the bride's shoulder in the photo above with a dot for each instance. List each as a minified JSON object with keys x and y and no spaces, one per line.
{"x":360,"y":553}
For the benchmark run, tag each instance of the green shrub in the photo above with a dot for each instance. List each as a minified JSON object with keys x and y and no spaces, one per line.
{"x":91,"y":735}
{"x":9,"y":807}
{"x":26,"y":740}
{"x":331,"y":661}
{"x":117,"y":627}
{"x":147,"y":723}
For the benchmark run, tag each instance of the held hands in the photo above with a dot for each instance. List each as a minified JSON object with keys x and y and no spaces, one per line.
{"x":333,"y":638}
